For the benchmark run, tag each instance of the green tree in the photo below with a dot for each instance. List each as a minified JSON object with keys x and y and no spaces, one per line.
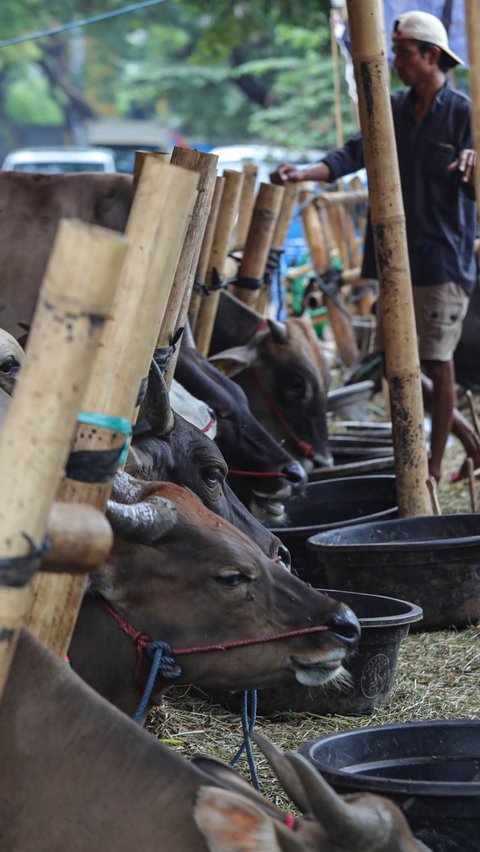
{"x":219,"y":72}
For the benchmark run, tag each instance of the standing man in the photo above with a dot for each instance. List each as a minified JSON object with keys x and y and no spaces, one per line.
{"x":434,"y":144}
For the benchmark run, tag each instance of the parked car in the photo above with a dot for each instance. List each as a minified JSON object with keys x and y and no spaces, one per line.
{"x":49,"y":160}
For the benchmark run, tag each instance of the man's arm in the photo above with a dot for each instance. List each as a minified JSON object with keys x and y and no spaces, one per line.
{"x":342,"y":161}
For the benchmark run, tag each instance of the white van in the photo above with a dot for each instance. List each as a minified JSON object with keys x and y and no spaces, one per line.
{"x":62,"y":159}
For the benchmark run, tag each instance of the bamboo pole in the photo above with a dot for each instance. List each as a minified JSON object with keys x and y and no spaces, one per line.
{"x":278,"y":240}
{"x":334,"y":20}
{"x":259,"y":239}
{"x":472,"y":17}
{"x":73,"y":303}
{"x":388,"y":221}
{"x":247,"y":202}
{"x":156,"y":227}
{"x":340,"y":324}
{"x":175,"y":315}
{"x":201,"y":273}
{"x":218,"y":256}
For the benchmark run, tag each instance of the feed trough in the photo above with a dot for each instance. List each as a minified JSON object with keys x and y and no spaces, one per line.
{"x":385,"y":623}
{"x":430,"y":769}
{"x":433,"y":561}
{"x":326,"y":505}
{"x":365,"y":467}
{"x":350,"y":448}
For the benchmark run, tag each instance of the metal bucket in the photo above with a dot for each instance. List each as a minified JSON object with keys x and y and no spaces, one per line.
{"x":326,"y":505}
{"x":430,"y":769}
{"x":433,"y":561}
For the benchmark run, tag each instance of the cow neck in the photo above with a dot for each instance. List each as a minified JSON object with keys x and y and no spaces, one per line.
{"x":163,"y":654}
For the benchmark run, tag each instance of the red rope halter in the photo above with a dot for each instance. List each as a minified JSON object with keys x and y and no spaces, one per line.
{"x":142,"y":641}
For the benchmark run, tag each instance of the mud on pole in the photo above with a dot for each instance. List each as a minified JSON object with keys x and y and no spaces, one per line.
{"x":73,"y":303}
{"x":175,"y":316}
{"x":156,"y":227}
{"x":217,"y":259}
{"x":393,"y":269}
{"x":259,"y":239}
{"x":199,"y":283}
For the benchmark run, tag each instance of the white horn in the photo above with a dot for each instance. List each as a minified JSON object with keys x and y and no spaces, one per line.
{"x":147,"y":521}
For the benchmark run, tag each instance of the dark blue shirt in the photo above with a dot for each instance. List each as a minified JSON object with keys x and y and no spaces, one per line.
{"x":440,"y":211}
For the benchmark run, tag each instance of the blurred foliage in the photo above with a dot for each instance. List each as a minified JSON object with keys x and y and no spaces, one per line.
{"x":227,"y":71}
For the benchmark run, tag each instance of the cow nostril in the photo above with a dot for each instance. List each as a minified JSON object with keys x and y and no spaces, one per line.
{"x":296,"y":474}
{"x":345,"y":624}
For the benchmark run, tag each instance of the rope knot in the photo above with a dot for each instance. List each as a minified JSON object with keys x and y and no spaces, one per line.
{"x":160,"y":653}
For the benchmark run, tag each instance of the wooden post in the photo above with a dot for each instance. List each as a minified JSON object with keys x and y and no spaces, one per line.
{"x":205,"y":166}
{"x":218,"y":255}
{"x":388,"y":221}
{"x":156,"y":227}
{"x":73,"y":303}
{"x":259,"y":240}
{"x":472,"y":16}
{"x":201,"y":273}
{"x":340,"y":324}
{"x":80,"y":538}
{"x":247,"y":201}
{"x":278,"y":240}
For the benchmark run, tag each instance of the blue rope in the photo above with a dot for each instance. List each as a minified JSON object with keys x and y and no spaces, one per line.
{"x":162,"y":661}
{"x":249,"y":717}
{"x":107,"y":421}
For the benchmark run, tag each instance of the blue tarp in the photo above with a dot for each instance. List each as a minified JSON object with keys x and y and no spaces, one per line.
{"x":451,"y":12}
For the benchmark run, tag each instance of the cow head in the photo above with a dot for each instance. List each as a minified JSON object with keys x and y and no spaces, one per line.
{"x":177,"y":451}
{"x":245,"y":443}
{"x":285,"y":376}
{"x":183,"y":575}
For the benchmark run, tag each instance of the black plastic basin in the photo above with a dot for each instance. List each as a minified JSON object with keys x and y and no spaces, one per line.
{"x":326,"y":505}
{"x":385,"y":623}
{"x":430,"y":769}
{"x":433,"y":561}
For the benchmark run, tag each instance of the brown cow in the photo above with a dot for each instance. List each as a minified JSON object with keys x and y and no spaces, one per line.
{"x":31,"y":206}
{"x":283,"y":372}
{"x":182,"y":575}
{"x":78,"y":776}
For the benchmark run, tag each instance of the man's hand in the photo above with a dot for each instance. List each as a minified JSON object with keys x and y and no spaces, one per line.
{"x":286,"y":172}
{"x":465,"y":164}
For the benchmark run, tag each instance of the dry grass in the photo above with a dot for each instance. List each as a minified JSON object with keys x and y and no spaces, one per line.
{"x":438,"y":677}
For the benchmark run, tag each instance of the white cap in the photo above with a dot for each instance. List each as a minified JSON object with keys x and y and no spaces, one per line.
{"x":422,"y":26}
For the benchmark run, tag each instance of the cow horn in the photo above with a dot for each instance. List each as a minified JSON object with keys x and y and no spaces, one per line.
{"x":125,"y":488}
{"x":147,"y":521}
{"x":284,"y":771}
{"x":279,"y":331}
{"x":156,"y":406}
{"x":350,"y":824}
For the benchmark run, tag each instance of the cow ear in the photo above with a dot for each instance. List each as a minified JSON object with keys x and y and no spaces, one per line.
{"x":233,"y":361}
{"x":231,"y":822}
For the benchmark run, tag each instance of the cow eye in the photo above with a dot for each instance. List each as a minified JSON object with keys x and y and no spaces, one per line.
{"x":296,"y":385}
{"x":231,"y":581}
{"x":9,"y":364}
{"x":213,"y":475}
